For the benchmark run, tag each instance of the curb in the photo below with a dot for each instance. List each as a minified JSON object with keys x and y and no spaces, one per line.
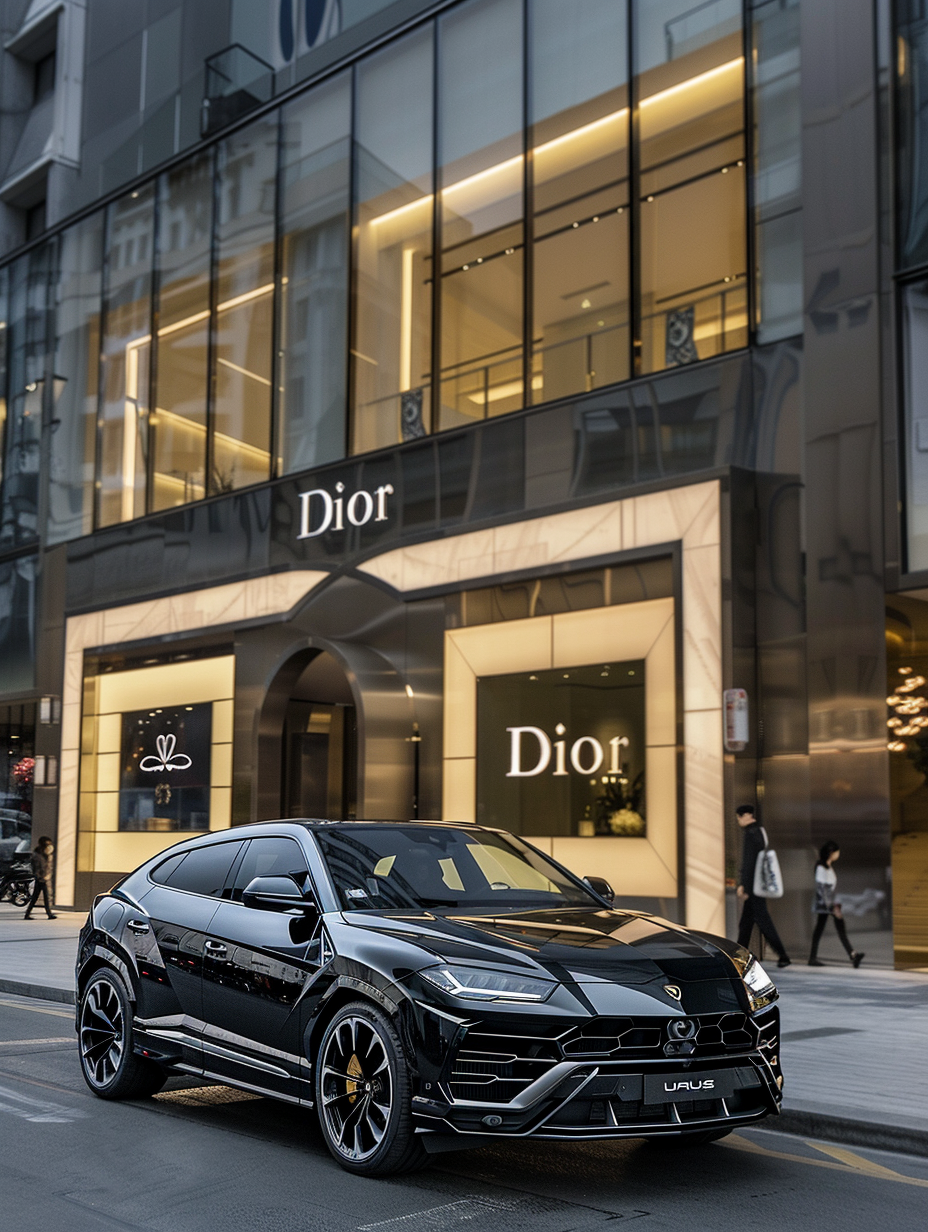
{"x":875,"y":1134}
{"x":41,"y":992}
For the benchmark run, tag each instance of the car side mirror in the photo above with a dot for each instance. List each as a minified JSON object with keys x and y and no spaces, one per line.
{"x":600,"y":886}
{"x":277,"y":894}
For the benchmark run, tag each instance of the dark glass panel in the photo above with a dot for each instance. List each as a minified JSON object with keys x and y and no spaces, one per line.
{"x":690,"y":97}
{"x":72,"y":447}
{"x":244,"y":307}
{"x":126,"y":352}
{"x":579,"y":137}
{"x":185,"y":204}
{"x":314,"y":290}
{"x":391,"y":358}
{"x":482,"y":235}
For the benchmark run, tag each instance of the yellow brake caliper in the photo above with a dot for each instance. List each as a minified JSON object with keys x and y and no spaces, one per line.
{"x":354,"y":1069}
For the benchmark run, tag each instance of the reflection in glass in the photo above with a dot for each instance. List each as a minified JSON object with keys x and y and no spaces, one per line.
{"x":915,"y":336}
{"x":391,"y":349}
{"x":579,"y":138}
{"x":72,"y":445}
{"x":777,"y":169}
{"x":126,"y":354}
{"x":28,"y":290}
{"x":314,"y":284}
{"x":690,"y":120}
{"x":481,"y":169}
{"x":911,"y":100}
{"x":245,"y":307}
{"x":179,"y":422}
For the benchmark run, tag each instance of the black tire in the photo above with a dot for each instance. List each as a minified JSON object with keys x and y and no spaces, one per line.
{"x":109,"y":1066}
{"x":19,"y":897}
{"x":695,"y":1137}
{"x":363,"y":1094}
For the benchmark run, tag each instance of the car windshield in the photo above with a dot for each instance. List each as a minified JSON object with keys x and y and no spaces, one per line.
{"x":397,"y":868}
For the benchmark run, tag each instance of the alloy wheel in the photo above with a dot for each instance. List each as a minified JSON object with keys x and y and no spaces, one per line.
{"x":356,"y":1088}
{"x":102,"y":1033}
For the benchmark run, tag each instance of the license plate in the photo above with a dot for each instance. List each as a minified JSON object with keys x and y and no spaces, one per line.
{"x":672,"y":1088}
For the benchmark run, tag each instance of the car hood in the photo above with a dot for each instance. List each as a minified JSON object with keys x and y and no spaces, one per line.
{"x":574,"y":945}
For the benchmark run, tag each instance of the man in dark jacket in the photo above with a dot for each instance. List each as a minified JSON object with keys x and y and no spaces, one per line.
{"x":42,"y":867}
{"x":755,"y":908}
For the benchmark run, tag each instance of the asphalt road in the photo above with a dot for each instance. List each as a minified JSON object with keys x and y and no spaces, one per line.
{"x":198,"y":1159}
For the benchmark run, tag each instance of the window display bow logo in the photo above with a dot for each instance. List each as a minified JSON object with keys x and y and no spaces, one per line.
{"x":166,"y":759}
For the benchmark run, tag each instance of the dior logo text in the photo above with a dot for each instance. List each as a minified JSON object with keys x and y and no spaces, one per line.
{"x":586,"y":753}
{"x":320,"y":511}
{"x":704,"y":1084}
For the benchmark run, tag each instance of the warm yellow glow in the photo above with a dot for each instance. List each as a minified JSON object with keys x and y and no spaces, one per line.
{"x":184,"y":324}
{"x":245,"y":298}
{"x":409,"y":255}
{"x":577,"y":133}
{"x":509,"y":389}
{"x":692,"y":82}
{"x":227,"y":363}
{"x":179,"y":423}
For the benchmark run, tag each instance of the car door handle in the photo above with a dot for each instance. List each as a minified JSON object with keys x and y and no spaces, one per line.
{"x":139,"y":927}
{"x":216,"y":949}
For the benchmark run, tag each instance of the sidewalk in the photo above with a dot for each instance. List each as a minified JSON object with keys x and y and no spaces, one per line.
{"x":852,"y":1040}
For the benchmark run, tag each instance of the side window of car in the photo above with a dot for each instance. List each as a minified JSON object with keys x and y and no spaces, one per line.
{"x":163,"y":871}
{"x":269,"y":857}
{"x":204,"y":870}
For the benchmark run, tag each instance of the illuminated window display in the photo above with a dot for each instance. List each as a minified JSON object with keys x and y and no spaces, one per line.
{"x":165,"y":778}
{"x":562,"y":752}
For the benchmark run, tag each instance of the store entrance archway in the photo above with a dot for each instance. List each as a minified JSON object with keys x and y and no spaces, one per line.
{"x":319,"y":745}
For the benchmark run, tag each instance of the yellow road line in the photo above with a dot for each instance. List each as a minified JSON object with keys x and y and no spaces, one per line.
{"x":858,"y":1162}
{"x":38,"y":1009}
{"x":873,"y":1170}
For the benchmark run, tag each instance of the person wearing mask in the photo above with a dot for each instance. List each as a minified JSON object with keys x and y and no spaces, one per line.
{"x":42,"y":869}
{"x":755,"y":910}
{"x":825,"y":905}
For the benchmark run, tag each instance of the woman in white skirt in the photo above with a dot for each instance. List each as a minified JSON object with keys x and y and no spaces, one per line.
{"x":826,"y":905}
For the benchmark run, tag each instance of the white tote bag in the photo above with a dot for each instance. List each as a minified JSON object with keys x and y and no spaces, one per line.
{"x":768,"y":880}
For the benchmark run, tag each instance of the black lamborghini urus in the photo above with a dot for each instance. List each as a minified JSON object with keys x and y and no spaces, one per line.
{"x":426,"y":986}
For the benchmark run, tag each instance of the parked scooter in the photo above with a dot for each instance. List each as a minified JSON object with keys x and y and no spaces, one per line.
{"x":16,"y":879}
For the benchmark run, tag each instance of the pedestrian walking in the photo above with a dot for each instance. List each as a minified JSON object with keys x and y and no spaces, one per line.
{"x":755,"y":910}
{"x":42,"y":868}
{"x":826,"y":906}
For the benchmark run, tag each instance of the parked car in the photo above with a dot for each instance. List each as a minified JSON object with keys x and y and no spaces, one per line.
{"x":425,"y":986}
{"x":15,"y":829}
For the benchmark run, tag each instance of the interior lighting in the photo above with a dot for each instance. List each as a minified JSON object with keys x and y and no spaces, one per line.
{"x":510,"y":164}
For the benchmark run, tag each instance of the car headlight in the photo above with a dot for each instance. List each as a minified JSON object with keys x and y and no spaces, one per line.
{"x":758,"y":983}
{"x":473,"y":984}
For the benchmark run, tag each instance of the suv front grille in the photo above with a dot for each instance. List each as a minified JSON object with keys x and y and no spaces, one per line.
{"x":495,"y":1067}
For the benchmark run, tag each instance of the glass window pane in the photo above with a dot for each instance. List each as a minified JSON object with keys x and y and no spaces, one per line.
{"x":17,"y":623}
{"x":185,"y":212}
{"x":580,"y":122}
{"x":481,"y":155}
{"x":911,"y":113}
{"x":245,"y":307}
{"x":915,"y":334}
{"x":391,"y":351}
{"x":777,"y":169}
{"x":690,"y":94}
{"x":77,"y":359}
{"x":28,"y":289}
{"x":126,"y":357}
{"x":316,"y":155}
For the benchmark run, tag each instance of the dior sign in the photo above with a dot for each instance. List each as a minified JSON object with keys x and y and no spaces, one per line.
{"x":320,"y":511}
{"x":586,"y":753}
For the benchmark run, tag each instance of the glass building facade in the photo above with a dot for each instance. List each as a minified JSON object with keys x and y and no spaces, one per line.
{"x":380,"y":379}
{"x":411,"y":246}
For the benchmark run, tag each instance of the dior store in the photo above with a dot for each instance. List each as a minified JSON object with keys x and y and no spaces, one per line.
{"x":558,"y":674}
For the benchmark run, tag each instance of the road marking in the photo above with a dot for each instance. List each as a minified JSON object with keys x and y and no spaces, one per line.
{"x":39,"y":1110}
{"x":38,"y":1009}
{"x":48,"y":1039}
{"x":885,"y":1174}
{"x":858,"y":1162}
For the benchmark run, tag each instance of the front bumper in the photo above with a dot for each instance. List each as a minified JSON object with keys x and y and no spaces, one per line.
{"x":523,"y":1081}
